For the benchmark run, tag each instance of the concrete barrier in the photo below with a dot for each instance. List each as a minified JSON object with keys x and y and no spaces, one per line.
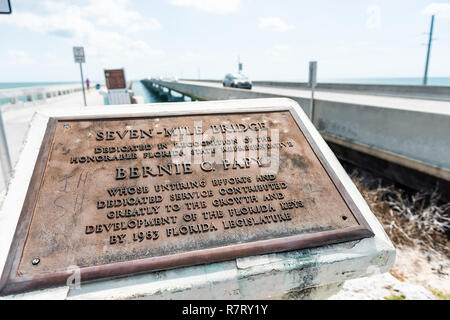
{"x":38,"y":94}
{"x":405,"y":135}
{"x":295,"y":274}
{"x":407,"y":91}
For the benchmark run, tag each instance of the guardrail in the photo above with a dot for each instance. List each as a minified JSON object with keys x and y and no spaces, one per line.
{"x":411,"y":145}
{"x":35,"y":93}
{"x":406,"y":91}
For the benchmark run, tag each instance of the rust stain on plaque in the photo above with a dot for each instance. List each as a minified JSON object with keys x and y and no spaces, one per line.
{"x":117,"y":191}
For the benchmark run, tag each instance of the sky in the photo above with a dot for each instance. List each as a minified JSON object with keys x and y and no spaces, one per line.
{"x":275,"y":40}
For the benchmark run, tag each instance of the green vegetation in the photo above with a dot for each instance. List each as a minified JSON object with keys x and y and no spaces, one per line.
{"x":396,"y":297}
{"x":441,"y":295}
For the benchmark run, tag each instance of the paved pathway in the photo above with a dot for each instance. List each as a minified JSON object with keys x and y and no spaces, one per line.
{"x":17,"y":118}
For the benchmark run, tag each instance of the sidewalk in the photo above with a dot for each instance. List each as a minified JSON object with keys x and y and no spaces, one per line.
{"x":17,"y":118}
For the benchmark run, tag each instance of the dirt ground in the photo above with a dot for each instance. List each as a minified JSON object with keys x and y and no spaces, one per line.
{"x":430,"y":270}
{"x":418,"y":224}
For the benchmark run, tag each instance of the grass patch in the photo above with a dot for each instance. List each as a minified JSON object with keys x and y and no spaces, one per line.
{"x":441,"y":295}
{"x":409,"y":218}
{"x":396,"y":297}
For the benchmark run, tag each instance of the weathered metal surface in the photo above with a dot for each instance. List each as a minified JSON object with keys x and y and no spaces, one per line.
{"x":111,"y":197}
{"x":115,"y":79}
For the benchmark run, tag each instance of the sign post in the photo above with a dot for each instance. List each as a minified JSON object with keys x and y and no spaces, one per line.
{"x":4,"y":153}
{"x":5,"y":160}
{"x":430,"y":39}
{"x":312,"y":83}
{"x":78,"y":55}
{"x":239,"y":65}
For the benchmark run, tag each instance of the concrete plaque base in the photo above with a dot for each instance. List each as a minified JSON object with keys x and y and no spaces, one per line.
{"x":119,"y":191}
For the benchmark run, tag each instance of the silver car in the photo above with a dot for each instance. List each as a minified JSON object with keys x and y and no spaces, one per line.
{"x":237,"y":80}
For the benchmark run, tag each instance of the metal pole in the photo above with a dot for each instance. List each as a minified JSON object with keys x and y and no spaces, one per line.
{"x":312,"y":104}
{"x":4,"y":153}
{"x":82,"y":84}
{"x":312,"y":82}
{"x":430,"y":38}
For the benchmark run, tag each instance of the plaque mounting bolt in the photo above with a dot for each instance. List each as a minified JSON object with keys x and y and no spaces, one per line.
{"x":35,"y":261}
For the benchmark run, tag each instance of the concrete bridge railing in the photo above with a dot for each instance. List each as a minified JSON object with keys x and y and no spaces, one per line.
{"x":38,"y":94}
{"x":407,"y":91}
{"x":409,"y":137}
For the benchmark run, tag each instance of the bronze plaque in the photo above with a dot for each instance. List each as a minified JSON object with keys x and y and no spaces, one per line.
{"x":115,"y":79}
{"x":115,"y":196}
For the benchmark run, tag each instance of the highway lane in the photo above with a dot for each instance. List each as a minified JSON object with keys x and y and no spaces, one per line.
{"x":411,"y":104}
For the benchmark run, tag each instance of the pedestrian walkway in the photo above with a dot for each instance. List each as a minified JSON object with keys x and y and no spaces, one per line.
{"x":17,"y":119}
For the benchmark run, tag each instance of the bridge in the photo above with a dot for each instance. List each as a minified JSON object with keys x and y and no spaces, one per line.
{"x":398,"y":132}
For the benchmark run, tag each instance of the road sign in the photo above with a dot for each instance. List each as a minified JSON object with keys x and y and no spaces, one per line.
{"x":5,"y":6}
{"x":78,"y":54}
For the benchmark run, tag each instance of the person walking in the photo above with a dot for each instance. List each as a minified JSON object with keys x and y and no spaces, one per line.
{"x":87,"y":83}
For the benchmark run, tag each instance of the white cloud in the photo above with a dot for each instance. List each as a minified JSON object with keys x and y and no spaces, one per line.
{"x":278,"y":51}
{"x":440,"y":9}
{"x":115,"y":13}
{"x":275,"y":24}
{"x":69,"y":20}
{"x":19,"y":57}
{"x":373,"y":18}
{"x":211,"y":6}
{"x":66,"y":22}
{"x":342,"y":49}
{"x":104,"y":27}
{"x":113,"y":47}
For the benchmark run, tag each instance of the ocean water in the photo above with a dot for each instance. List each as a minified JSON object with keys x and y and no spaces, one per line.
{"x":139,"y":90}
{"x":13,"y":85}
{"x":149,"y":97}
{"x":435,"y":81}
{"x":137,"y":87}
